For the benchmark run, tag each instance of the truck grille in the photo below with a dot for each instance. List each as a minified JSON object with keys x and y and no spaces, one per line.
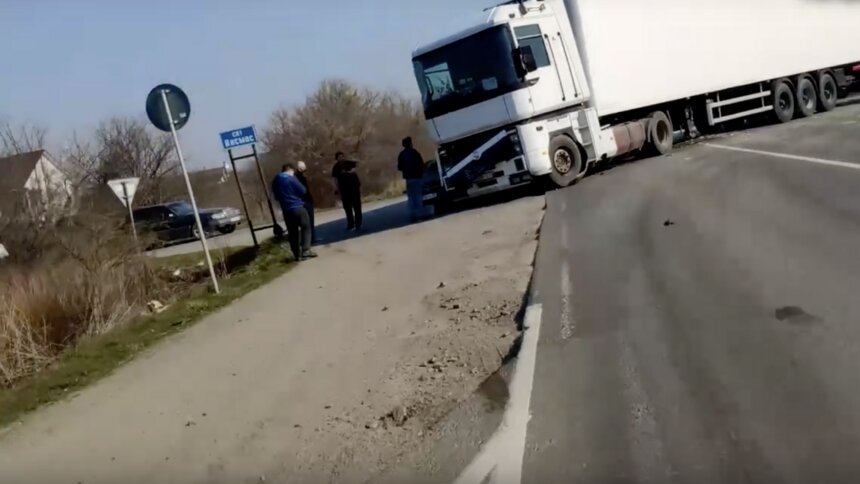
{"x":450,"y":154}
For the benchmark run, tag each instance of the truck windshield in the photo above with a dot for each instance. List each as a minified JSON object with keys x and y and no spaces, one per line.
{"x":467,"y":72}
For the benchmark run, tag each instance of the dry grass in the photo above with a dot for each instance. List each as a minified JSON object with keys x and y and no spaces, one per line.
{"x":47,"y":309}
{"x":90,"y":279}
{"x":66,"y":368}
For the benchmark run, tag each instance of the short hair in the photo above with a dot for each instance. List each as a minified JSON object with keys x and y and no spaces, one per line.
{"x":338,"y":154}
{"x":288,"y":167}
{"x":407,"y":142}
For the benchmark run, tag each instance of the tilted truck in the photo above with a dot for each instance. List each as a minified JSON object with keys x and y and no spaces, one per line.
{"x":544,"y":89}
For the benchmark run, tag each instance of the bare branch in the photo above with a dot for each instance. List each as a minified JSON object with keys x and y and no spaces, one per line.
{"x":23,"y":138}
{"x":367,"y":125}
{"x":124,"y":147}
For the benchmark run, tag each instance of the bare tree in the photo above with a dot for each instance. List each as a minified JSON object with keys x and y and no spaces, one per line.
{"x":124,"y":147}
{"x":22,"y":138}
{"x":365,"y":124}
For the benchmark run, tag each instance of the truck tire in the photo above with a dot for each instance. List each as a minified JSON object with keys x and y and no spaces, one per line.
{"x":567,"y":164}
{"x":783,"y":101}
{"x":828,"y":92}
{"x":807,"y":96}
{"x":660,"y":133}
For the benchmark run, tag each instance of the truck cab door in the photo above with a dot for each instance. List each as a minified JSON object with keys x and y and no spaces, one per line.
{"x":551,"y":84}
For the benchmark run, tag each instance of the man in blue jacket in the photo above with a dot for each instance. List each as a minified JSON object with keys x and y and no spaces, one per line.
{"x":290,"y":193}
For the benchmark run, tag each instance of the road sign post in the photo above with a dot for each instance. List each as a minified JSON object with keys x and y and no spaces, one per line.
{"x":233,"y":139}
{"x":245,"y":204}
{"x":130,"y":212}
{"x":125,"y":188}
{"x":163,"y":117}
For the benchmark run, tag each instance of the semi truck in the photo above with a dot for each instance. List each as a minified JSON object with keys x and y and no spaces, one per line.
{"x":542,"y":90}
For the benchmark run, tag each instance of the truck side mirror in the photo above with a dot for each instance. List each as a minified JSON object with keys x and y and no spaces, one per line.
{"x":528,"y":57}
{"x":524,"y":60}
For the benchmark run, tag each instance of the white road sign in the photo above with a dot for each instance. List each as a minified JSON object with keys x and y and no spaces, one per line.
{"x":125,"y":188}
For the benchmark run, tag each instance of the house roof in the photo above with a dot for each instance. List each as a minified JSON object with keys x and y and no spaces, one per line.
{"x":16,"y":169}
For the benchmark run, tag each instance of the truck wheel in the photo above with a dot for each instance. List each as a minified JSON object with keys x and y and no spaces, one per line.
{"x":807,"y":97}
{"x":828,"y":92}
{"x":567,"y":165}
{"x":660,"y":133}
{"x":783,"y":101}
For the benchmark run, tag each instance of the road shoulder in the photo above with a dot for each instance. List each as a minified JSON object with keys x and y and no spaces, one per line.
{"x":334,"y":372}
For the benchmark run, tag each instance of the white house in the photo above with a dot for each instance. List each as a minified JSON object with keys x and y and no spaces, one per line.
{"x":32,"y":182}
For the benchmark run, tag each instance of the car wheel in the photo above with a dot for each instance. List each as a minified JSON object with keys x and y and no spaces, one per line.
{"x":229,"y":229}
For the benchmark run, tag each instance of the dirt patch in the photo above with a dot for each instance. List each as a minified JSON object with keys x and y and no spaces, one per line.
{"x":469,"y":330}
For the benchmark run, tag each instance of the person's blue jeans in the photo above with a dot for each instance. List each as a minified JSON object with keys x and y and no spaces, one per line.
{"x":415,"y":194}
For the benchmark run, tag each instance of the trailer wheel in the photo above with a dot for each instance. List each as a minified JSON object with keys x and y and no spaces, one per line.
{"x":807,"y":97}
{"x":783,"y":101}
{"x":567,"y":164}
{"x":828,"y":92}
{"x":660,"y":133}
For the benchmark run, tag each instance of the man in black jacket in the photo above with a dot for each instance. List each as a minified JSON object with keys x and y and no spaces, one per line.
{"x":349,"y":187}
{"x":301,"y":167}
{"x":411,"y":165}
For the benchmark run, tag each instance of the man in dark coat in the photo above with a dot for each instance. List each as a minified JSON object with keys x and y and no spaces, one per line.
{"x":301,"y":167}
{"x":411,"y":165}
{"x":349,"y":187}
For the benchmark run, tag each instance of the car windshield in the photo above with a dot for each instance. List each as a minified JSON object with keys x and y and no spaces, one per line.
{"x":466,"y":72}
{"x":181,"y":208}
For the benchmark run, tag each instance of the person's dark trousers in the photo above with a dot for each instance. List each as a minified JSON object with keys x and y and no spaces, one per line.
{"x":298,"y":230}
{"x":352,"y":207}
{"x":309,"y":207}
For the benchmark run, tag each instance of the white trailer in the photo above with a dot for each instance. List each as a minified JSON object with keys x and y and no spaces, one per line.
{"x":544,"y":89}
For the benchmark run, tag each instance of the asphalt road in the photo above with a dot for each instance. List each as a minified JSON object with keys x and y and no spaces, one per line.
{"x":378,"y":216}
{"x":700,"y":315}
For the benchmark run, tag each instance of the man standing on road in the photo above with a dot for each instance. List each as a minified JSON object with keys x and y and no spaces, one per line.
{"x":301,"y":167}
{"x":290,"y":193}
{"x":349,"y":187}
{"x":411,"y":165}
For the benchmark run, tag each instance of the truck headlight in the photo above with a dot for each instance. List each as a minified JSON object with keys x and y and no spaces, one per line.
{"x":219,"y":216}
{"x":515,"y":140}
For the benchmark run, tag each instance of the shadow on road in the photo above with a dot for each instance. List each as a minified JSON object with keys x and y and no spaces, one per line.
{"x":376,"y":220}
{"x":397,"y":215}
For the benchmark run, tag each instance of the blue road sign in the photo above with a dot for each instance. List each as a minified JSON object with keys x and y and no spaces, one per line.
{"x":238,"y":137}
{"x":180,"y":108}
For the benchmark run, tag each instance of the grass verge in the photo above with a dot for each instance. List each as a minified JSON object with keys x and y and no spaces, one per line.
{"x":96,"y":357}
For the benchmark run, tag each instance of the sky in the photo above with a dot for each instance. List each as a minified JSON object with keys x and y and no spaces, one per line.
{"x":69,"y":64}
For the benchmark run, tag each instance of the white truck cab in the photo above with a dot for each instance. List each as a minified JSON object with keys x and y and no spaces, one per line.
{"x":545,"y":88}
{"x":492,"y":94}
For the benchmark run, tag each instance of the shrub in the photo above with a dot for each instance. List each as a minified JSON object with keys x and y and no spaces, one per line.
{"x":89,"y":279}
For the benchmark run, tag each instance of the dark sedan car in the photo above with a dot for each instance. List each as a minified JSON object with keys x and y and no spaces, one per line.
{"x":175,"y":221}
